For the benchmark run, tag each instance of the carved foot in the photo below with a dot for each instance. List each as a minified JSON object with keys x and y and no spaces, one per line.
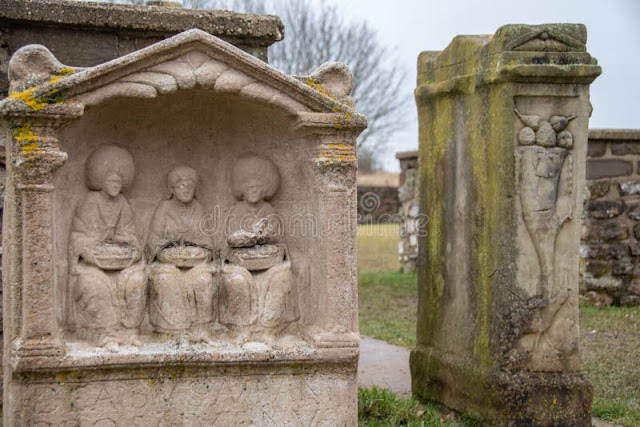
{"x":110,"y":343}
{"x":134,"y":340}
{"x":255,"y":346}
{"x":201,"y":335}
{"x":112,"y":346}
{"x":241,"y":338}
{"x":263,"y":337}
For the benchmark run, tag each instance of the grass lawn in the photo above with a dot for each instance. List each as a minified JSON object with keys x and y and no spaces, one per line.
{"x":610,"y":339}
{"x":610,"y":336}
{"x":387,"y":306}
{"x":380,"y":407}
{"x":378,"y":247}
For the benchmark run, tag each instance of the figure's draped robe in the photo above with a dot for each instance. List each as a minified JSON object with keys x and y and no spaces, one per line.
{"x":99,"y":300}
{"x":180,"y":297}
{"x":264,"y":299}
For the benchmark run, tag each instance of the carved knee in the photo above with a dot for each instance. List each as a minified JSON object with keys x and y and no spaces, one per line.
{"x":236,"y":299}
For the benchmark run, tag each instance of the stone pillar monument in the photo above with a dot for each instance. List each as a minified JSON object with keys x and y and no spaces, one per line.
{"x":503,"y":140}
{"x":179,"y":240}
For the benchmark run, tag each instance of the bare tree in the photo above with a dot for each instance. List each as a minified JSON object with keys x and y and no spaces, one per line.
{"x":368,"y":160}
{"x":317,"y":32}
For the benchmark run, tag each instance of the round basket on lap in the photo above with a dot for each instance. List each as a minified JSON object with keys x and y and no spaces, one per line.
{"x":183,"y":256}
{"x":110,"y":256}
{"x":260,"y":257}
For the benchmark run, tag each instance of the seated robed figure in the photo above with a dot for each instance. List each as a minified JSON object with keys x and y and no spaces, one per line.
{"x":182,"y":289}
{"x":107,"y":292}
{"x":257,"y":279}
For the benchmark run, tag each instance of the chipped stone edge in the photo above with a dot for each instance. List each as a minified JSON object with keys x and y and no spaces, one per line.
{"x":71,"y":85}
{"x":259,"y":30}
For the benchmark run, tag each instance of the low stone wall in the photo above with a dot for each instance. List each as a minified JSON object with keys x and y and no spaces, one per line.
{"x":378,"y":205}
{"x":610,"y":249}
{"x":611,"y":222}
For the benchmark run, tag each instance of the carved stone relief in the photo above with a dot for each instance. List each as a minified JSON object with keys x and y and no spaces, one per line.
{"x":257,"y":279}
{"x":276,"y":399}
{"x":107,"y":280}
{"x":193,"y":290}
{"x":143,"y":308}
{"x":545,"y":179}
{"x":179,"y":253}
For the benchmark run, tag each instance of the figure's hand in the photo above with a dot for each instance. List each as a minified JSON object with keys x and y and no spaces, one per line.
{"x":89,"y":256}
{"x":215,"y":269}
{"x":136,"y":256}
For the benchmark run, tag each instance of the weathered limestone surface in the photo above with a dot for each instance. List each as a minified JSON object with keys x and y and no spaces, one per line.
{"x":503,"y":141}
{"x":179,"y":240}
{"x":87,"y":34}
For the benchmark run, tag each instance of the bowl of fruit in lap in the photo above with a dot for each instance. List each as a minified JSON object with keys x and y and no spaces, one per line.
{"x":183,"y":255}
{"x":259,"y":257}
{"x":114,"y":256}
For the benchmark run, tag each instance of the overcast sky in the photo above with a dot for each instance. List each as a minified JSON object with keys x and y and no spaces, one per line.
{"x":613,"y":28}
{"x":412,"y":26}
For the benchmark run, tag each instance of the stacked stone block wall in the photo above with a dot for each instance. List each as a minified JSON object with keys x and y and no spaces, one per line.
{"x":378,"y":204}
{"x":611,"y":221}
{"x":409,"y":210}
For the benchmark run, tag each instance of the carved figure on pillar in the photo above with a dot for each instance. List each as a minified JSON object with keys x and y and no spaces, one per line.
{"x":545,"y":181}
{"x":544,"y":147}
{"x":182,"y":286}
{"x":107,"y":277}
{"x":257,"y":280}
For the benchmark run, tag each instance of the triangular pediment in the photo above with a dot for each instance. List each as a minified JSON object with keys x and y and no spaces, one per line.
{"x":547,"y":38}
{"x":190,"y":60}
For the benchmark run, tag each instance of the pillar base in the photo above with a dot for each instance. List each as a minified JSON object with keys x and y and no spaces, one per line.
{"x":500,"y":396}
{"x":38,"y":347}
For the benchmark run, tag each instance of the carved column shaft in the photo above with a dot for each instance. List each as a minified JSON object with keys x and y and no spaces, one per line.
{"x":35,"y":157}
{"x":335,"y":175}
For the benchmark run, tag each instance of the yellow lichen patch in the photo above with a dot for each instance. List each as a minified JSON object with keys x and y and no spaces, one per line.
{"x":30,"y":143}
{"x":337,"y":153}
{"x":54,"y":79}
{"x":62,"y":73}
{"x":25,"y":135}
{"x":32,"y":147}
{"x":319,"y":88}
{"x":41,"y":101}
{"x":66,"y":71}
{"x":342,"y":121}
{"x":27,"y":97}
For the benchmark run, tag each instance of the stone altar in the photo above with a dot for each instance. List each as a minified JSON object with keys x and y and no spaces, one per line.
{"x":503,"y":141}
{"x":179,"y":240}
